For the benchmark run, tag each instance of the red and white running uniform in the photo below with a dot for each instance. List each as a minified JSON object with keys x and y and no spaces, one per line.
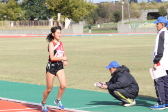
{"x":58,"y":49}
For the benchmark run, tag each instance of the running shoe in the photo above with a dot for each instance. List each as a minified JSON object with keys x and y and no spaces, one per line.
{"x":166,"y":105}
{"x":130,"y":104}
{"x":158,"y":107}
{"x":58,"y":102}
{"x":43,"y":106}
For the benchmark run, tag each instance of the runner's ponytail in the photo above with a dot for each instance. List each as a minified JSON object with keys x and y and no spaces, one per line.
{"x":50,"y":37}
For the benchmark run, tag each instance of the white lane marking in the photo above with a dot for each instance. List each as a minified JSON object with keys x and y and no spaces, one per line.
{"x":103,"y":105}
{"x":38,"y":104}
{"x":18,"y":109}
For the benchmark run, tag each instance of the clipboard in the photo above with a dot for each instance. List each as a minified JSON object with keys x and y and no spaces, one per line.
{"x":159,"y":72}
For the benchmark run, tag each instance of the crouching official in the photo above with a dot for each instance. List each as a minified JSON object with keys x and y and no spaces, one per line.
{"x":122,"y":85}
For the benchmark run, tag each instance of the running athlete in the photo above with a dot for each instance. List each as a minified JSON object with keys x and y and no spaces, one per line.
{"x":57,"y":59}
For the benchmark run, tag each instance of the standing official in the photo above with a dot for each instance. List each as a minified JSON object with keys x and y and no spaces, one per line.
{"x":160,"y":57}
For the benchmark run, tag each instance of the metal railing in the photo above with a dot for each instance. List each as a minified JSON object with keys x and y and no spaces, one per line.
{"x":33,"y":23}
{"x":143,"y":24}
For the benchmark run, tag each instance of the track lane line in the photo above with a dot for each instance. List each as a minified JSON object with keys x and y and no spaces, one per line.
{"x":18,"y":109}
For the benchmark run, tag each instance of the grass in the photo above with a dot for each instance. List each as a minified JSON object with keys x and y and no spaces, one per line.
{"x":104,"y":28}
{"x":101,"y":31}
{"x":24,"y":60}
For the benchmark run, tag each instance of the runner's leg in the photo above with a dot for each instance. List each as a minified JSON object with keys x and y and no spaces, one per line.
{"x":61,"y":77}
{"x":49,"y":85}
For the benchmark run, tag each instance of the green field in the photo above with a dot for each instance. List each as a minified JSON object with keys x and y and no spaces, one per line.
{"x":101,"y":31}
{"x":24,"y":60}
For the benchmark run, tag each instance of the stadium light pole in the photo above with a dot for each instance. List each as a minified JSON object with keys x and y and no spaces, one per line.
{"x":122,"y":13}
{"x":128,"y":11}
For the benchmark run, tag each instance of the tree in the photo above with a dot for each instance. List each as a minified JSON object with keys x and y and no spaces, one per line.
{"x":72,"y":9}
{"x":102,"y":10}
{"x":23,"y":3}
{"x":117,"y":16}
{"x":92,"y":17}
{"x":36,"y":9}
{"x":3,"y":11}
{"x":162,"y":11}
{"x":4,"y":1}
{"x":11,"y":11}
{"x":135,"y":1}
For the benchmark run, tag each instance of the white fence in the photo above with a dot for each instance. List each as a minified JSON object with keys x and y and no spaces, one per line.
{"x":27,"y":23}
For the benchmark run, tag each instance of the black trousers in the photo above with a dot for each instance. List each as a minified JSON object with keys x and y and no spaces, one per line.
{"x":161,"y":87}
{"x":122,"y":95}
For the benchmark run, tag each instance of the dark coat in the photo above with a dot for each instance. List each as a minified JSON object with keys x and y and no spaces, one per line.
{"x":122,"y":79}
